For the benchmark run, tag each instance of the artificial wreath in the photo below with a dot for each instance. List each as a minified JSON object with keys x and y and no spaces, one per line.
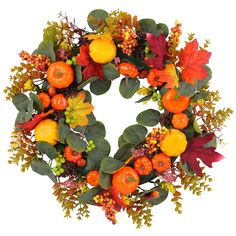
{"x":57,"y":134}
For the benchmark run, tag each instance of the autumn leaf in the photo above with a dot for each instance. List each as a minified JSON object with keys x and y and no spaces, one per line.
{"x":169,"y":76}
{"x":196,"y":149}
{"x":91,"y":68}
{"x":78,"y":110}
{"x":157,"y":45}
{"x":31,"y":124}
{"x":192,"y":62}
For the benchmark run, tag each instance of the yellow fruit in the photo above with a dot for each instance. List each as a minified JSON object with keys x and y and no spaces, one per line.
{"x":102,"y":50}
{"x":174,"y":143}
{"x":47,"y":130}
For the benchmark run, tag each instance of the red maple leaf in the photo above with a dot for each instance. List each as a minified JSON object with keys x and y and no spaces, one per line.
{"x":31,"y":124}
{"x":196,"y":149}
{"x":192,"y":62}
{"x":91,"y":68}
{"x":157,"y":45}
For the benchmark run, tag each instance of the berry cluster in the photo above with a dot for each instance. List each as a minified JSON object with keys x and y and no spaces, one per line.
{"x":156,"y":97}
{"x":74,"y":157}
{"x":153,"y":139}
{"x":58,"y":169}
{"x":129,"y":41}
{"x":69,"y":119}
{"x":105,"y":200}
{"x":38,"y":61}
{"x":91,"y":145}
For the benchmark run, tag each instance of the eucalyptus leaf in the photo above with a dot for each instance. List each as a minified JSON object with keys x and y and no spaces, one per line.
{"x":149,"y":117}
{"x":86,"y":82}
{"x":78,"y":74}
{"x":124,"y":152}
{"x":46,"y":48}
{"x":20,"y":101}
{"x":105,"y":180}
{"x":163,"y":194}
{"x":162,"y":29}
{"x":95,"y":131}
{"x":145,"y":98}
{"x":110,"y":165}
{"x":135,"y":134}
{"x":38,"y":105}
{"x":63,"y":131}
{"x":99,"y":87}
{"x":46,"y":148}
{"x":148,"y":26}
{"x":101,"y":150}
{"x":96,"y":19}
{"x":128,"y":87}
{"x":121,"y":141}
{"x":75,"y":142}
{"x":110,"y":72}
{"x":87,"y":197}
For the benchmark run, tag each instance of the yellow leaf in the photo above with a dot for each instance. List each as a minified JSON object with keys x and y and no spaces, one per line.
{"x":97,"y":36}
{"x":79,"y":110}
{"x":169,"y":75}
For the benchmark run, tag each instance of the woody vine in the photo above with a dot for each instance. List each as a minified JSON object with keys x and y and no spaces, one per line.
{"x":56,"y":133}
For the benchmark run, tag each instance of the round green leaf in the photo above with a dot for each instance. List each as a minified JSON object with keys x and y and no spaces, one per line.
{"x":87,"y":197}
{"x":46,"y":148}
{"x":121,"y":141}
{"x":149,"y":117}
{"x":135,"y":134}
{"x":75,"y":142}
{"x":162,"y":29}
{"x":163,"y":195}
{"x":78,"y":74}
{"x":186,"y":89}
{"x":95,"y":131}
{"x":148,"y":25}
{"x":110,"y":165}
{"x":99,"y":87}
{"x":110,"y":72}
{"x":20,"y":101}
{"x":128,"y":87}
{"x":105,"y":180}
{"x":101,"y":150}
{"x":124,"y":152}
{"x":63,"y":131}
{"x":96,"y":19}
{"x":38,"y":105}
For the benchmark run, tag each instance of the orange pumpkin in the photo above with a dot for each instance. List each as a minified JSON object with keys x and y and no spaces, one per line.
{"x":125,"y":180}
{"x":60,"y":74}
{"x":180,"y":120}
{"x":59,"y":102}
{"x":45,"y":99}
{"x":161,"y":162}
{"x":128,"y":69}
{"x":143,"y":165}
{"x":174,"y":103}
{"x":153,"y":78}
{"x":93,"y":177}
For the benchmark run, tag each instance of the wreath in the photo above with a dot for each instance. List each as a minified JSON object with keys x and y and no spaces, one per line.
{"x":57,"y":134}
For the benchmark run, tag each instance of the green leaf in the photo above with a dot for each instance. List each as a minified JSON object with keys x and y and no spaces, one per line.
{"x":41,"y":167}
{"x":87,"y":197}
{"x":99,"y":87}
{"x":96,"y":19}
{"x":121,"y":141}
{"x":196,"y":127}
{"x":46,"y":148}
{"x":75,"y":142}
{"x":185,"y":167}
{"x":20,"y":101}
{"x":124,"y":152}
{"x":163,"y":90}
{"x":144,"y":99}
{"x":162,"y":29}
{"x":50,"y":34}
{"x":186,"y":89}
{"x":20,"y":119}
{"x":101,"y":150}
{"x":92,"y":119}
{"x":163,"y":196}
{"x":88,"y":96}
{"x":105,"y":180}
{"x":148,"y":25}
{"x":135,"y":134}
{"x":146,"y":178}
{"x":86,"y":82}
{"x":150,"y":117}
{"x":29,"y":111}
{"x":139,"y":63}
{"x":63,"y":131}
{"x":201,"y":83}
{"x":128,"y":87}
{"x":78,"y":74}
{"x":81,"y":129}
{"x":110,"y":165}
{"x":38,"y":105}
{"x":110,"y":72}
{"x":46,"y":48}
{"x":189,"y":132}
{"x":212,"y":143}
{"x":95,"y":131}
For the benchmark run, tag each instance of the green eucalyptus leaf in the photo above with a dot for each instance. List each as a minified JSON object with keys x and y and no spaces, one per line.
{"x":91,"y":118}
{"x":186,"y":89}
{"x":96,"y":19}
{"x":78,"y":74}
{"x":75,"y":142}
{"x":46,"y":148}
{"x":105,"y":180}
{"x":187,"y":170}
{"x":128,"y":87}
{"x":41,"y":167}
{"x":46,"y":48}
{"x":148,"y":25}
{"x":87,"y":197}
{"x":135,"y":134}
{"x":86,"y":82}
{"x":101,"y":150}
{"x":145,"y":98}
{"x":121,"y":141}
{"x":110,"y":72}
{"x":20,"y":119}
{"x":146,"y":178}
{"x":162,"y":29}
{"x":29,"y":111}
{"x":99,"y":87}
{"x":196,"y":127}
{"x":149,"y":117}
{"x":38,"y":105}
{"x":20,"y":101}
{"x":162,"y":197}
{"x":95,"y":131}
{"x":110,"y":165}
{"x":124,"y":152}
{"x":63,"y":131}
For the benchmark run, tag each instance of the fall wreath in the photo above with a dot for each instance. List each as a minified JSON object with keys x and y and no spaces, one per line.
{"x":57,"y":134}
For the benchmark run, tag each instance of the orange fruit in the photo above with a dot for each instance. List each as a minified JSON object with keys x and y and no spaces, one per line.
{"x":174,"y":103}
{"x":59,"y":102}
{"x":47,"y":130}
{"x":45,"y":99}
{"x":180,"y":120}
{"x":143,"y":165}
{"x":93,"y":177}
{"x":161,"y":162}
{"x":102,"y":50}
{"x":174,"y":143}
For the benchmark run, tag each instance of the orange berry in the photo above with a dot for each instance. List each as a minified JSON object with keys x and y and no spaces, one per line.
{"x":45,"y":99}
{"x":180,"y":120}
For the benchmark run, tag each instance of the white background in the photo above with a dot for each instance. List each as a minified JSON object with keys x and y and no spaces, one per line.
{"x":27,"y":206}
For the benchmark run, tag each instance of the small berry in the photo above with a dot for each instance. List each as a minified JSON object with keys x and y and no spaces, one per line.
{"x":69,"y":62}
{"x":66,"y":113}
{"x":68,"y":109}
{"x":68,"y":120}
{"x":93,"y":146}
{"x":91,"y":142}
{"x":89,"y":148}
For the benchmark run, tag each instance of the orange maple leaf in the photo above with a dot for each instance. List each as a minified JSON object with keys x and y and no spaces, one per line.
{"x":169,"y":76}
{"x":192,"y":62}
{"x":79,"y":110}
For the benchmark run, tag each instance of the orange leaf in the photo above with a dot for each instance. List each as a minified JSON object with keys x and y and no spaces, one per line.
{"x":79,"y":110}
{"x":192,"y":62}
{"x":169,"y":76}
